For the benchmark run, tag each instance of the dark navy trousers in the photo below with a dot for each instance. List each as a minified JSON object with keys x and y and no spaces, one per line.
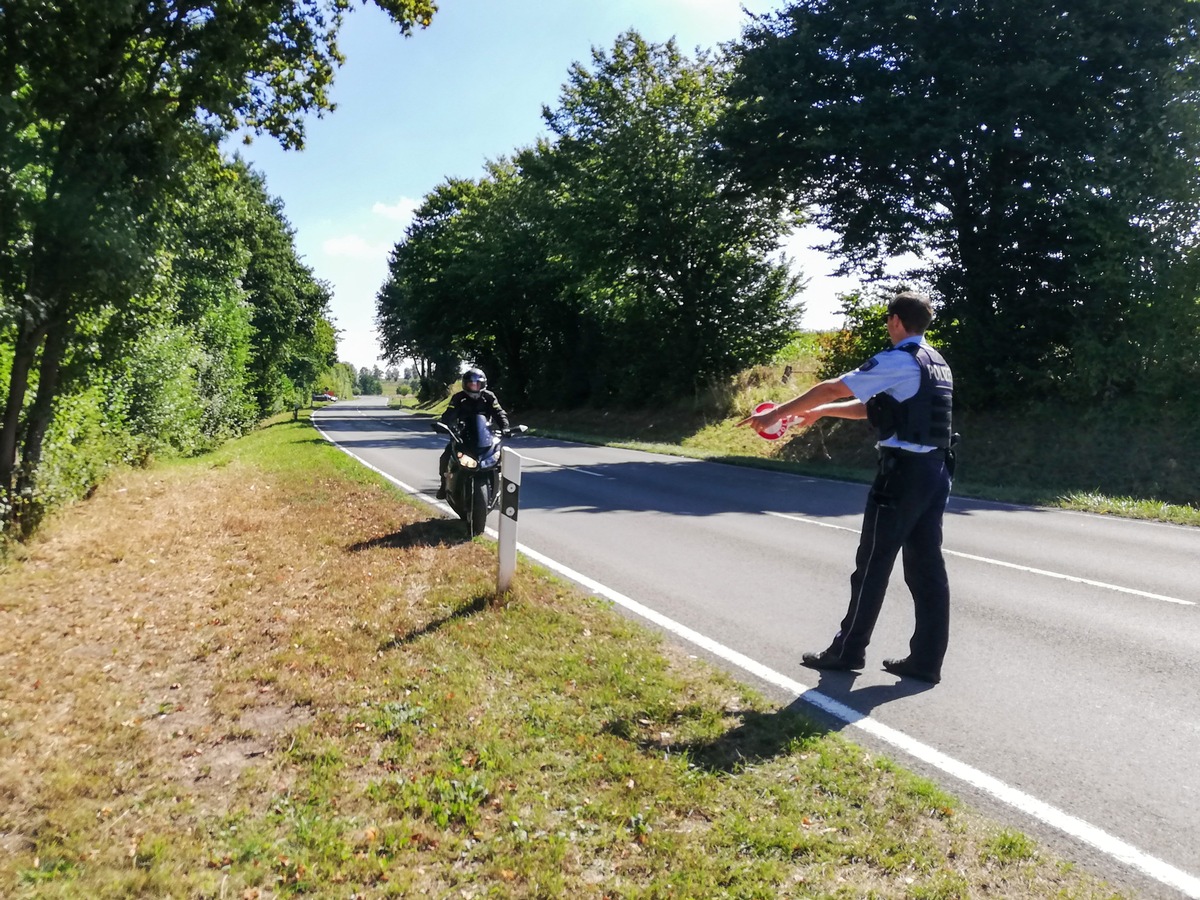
{"x":903,"y":514}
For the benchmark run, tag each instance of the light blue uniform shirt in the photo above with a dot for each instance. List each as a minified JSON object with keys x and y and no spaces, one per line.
{"x":889,"y":372}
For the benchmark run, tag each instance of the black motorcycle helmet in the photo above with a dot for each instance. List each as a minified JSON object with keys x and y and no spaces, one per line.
{"x":474,"y":381}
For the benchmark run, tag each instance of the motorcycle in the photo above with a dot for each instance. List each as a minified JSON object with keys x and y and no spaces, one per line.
{"x":473,"y":476}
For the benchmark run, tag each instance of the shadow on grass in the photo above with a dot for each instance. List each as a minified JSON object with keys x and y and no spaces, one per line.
{"x":303,"y":420}
{"x":429,"y":533}
{"x":475,"y":606}
{"x":762,"y":736}
{"x":759,"y":737}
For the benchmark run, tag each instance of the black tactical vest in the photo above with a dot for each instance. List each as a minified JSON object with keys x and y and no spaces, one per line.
{"x":924,"y":418}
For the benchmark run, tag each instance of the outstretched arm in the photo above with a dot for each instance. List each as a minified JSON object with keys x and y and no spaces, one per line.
{"x":823,"y":399}
{"x":843,"y":409}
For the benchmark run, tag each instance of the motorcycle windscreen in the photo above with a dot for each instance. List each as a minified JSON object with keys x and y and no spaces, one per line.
{"x":486,"y":443}
{"x":479,"y":435}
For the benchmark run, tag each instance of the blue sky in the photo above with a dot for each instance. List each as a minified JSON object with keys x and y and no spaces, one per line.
{"x":412,"y":112}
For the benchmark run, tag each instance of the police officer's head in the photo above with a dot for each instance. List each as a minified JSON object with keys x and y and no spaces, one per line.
{"x":915,"y":311}
{"x":474,"y":381}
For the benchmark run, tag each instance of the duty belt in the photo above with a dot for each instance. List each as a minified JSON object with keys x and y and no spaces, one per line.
{"x":935,"y":453}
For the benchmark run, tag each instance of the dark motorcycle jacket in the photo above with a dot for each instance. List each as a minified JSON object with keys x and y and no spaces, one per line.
{"x":926,"y":417}
{"x":463,"y":408}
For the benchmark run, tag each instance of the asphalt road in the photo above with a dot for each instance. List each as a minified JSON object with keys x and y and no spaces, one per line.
{"x":1072,"y":683}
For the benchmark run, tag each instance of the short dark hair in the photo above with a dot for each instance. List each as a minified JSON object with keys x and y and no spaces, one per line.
{"x":915,"y":311}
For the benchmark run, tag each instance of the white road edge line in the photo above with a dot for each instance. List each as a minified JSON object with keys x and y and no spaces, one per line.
{"x":1106,"y":843}
{"x":999,"y":562}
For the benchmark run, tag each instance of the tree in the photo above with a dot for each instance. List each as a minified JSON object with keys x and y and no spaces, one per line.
{"x":416,"y":307}
{"x":662,"y":244}
{"x":610,"y":262}
{"x":338,"y":380}
{"x":179,"y":357}
{"x":518,"y":310}
{"x":101,"y":105}
{"x":1043,"y":157}
{"x":293,"y":340}
{"x":420,"y":308}
{"x":367,"y":382}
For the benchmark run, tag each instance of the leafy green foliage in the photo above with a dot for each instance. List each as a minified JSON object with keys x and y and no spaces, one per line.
{"x":680,"y":261}
{"x":170,"y":371}
{"x":290,"y":346}
{"x":1042,"y":158}
{"x":863,"y":332}
{"x":862,"y":335}
{"x":163,"y":405}
{"x":338,"y":380}
{"x":106,"y":110}
{"x":611,"y":263}
{"x":369,"y":381}
{"x":84,"y":442}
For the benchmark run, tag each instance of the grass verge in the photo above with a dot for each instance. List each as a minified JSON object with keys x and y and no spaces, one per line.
{"x":265,"y":673}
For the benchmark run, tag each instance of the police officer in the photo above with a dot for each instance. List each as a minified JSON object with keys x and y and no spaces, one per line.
{"x":906,"y":393}
{"x":474,"y":399}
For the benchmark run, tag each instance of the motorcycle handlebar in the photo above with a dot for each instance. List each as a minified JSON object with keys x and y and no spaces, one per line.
{"x":439,"y":425}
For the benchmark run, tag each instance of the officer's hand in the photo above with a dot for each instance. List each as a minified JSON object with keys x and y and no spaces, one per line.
{"x":761,"y":421}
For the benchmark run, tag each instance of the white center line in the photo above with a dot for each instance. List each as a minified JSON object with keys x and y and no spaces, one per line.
{"x":546,"y":462}
{"x":1008,"y":565}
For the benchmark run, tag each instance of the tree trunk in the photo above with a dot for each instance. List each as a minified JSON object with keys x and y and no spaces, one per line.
{"x":27,"y":511}
{"x":29,"y":337}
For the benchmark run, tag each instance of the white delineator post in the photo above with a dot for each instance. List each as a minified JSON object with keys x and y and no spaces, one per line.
{"x":510,"y":505}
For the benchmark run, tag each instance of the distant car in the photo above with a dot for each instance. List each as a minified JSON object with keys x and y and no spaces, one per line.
{"x":324,"y":398}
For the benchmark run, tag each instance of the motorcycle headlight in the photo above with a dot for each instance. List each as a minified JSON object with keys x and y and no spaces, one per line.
{"x":466,"y":461}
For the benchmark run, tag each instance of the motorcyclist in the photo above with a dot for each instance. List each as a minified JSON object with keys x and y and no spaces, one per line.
{"x":474,"y":399}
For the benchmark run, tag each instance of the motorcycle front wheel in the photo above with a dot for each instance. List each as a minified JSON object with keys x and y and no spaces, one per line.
{"x":481,"y":503}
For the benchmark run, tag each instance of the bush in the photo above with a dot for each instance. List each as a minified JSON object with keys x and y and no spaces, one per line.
{"x":862,"y":336}
{"x":84,"y":442}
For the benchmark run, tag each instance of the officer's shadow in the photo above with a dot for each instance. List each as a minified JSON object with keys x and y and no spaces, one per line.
{"x":834,"y":697}
{"x":829,"y":706}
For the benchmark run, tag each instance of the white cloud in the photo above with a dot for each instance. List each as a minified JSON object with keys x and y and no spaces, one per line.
{"x":356,"y":247}
{"x":403,"y":210}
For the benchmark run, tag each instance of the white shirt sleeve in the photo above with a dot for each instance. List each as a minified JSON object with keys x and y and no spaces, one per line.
{"x":893,"y":372}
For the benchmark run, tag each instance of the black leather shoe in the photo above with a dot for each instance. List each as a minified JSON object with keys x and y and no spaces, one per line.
{"x":906,"y":668}
{"x":832,"y":661}
{"x":441,"y":493}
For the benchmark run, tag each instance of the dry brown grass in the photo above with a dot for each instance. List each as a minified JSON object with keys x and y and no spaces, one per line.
{"x":144,"y":632}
